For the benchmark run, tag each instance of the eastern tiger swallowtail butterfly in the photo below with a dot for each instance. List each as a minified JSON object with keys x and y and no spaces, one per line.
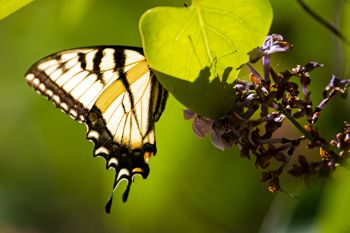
{"x":112,"y":90}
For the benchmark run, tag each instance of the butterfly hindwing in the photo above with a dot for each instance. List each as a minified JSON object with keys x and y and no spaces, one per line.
{"x":112,"y":90}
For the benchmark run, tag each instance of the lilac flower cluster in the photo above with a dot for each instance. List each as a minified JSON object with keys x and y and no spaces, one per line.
{"x":276,"y":97}
{"x":342,"y":141}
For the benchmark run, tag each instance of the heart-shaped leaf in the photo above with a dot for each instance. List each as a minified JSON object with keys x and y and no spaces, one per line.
{"x":196,"y":50}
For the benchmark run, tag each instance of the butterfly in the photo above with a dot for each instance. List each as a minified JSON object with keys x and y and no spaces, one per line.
{"x":112,"y":90}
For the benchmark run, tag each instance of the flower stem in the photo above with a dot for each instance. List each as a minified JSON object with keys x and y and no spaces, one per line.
{"x":295,"y":122}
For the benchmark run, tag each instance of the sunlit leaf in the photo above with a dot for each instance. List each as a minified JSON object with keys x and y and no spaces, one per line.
{"x":192,"y":47}
{"x":8,"y":7}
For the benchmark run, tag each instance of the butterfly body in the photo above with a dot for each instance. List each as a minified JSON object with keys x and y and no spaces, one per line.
{"x":112,"y":90}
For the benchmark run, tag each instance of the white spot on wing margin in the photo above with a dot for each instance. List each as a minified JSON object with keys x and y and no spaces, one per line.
{"x":101,"y":150}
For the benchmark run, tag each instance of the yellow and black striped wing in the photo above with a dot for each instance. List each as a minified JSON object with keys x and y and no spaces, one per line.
{"x":112,"y":90}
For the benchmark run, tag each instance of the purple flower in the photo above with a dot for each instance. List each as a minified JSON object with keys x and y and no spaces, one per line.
{"x":217,"y":141}
{"x":274,"y":44}
{"x":200,"y":125}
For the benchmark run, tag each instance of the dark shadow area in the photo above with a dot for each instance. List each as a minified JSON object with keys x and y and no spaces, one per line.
{"x":212,"y":99}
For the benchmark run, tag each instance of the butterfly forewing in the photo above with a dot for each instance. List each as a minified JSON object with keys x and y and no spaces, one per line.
{"x":113,"y":91}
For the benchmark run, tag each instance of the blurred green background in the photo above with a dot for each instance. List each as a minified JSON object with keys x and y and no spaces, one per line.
{"x":50,"y":182}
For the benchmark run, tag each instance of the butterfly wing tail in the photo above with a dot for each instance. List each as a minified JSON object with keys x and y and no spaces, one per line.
{"x":127,"y":162}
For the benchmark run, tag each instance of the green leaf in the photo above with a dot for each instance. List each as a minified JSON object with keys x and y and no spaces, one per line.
{"x":8,"y":7}
{"x":196,"y":50}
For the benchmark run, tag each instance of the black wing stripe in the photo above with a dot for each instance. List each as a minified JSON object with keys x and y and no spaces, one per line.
{"x":96,"y":64}
{"x":152,"y":102}
{"x":94,"y":85}
{"x":97,"y":61}
{"x":82,"y":60}
{"x":126,"y":162}
{"x":161,"y":101}
{"x":123,"y":78}
{"x":119,"y":58}
{"x":59,"y":97}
